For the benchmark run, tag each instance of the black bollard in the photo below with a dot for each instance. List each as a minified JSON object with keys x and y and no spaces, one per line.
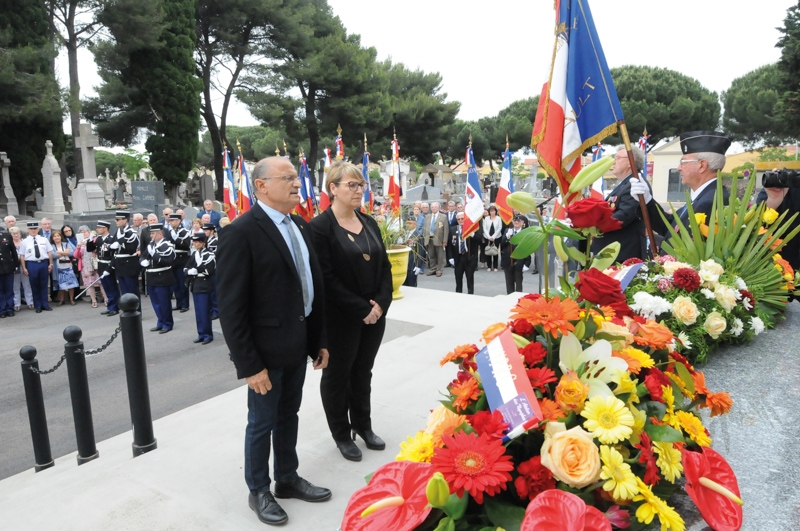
{"x":32,"y":381}
{"x":130,"y":322}
{"x":79,"y":392}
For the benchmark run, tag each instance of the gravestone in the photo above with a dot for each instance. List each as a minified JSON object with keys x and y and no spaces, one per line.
{"x":8,"y":200}
{"x":108,"y":191}
{"x":190,"y":213}
{"x":52,"y":200}
{"x":206,"y":188}
{"x":146,"y":174}
{"x":38,"y":198}
{"x":87,"y":195}
{"x":146,"y":195}
{"x":119,"y":192}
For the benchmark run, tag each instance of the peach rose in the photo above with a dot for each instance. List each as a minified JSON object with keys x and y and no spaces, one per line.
{"x":671,"y":267}
{"x":571,"y":393}
{"x":715,"y":324}
{"x":570,"y":455}
{"x":685,"y":310}
{"x":726,"y":297}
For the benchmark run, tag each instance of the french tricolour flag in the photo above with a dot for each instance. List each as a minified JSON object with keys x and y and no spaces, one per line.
{"x":324,"y":199}
{"x":245,"y":193}
{"x":307,"y":199}
{"x":366,"y":199}
{"x":579,"y":104}
{"x":229,"y":191}
{"x":506,"y":189}
{"x":395,"y":192}
{"x":473,"y":206}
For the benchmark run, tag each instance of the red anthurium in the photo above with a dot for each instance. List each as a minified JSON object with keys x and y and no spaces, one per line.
{"x":556,"y":510}
{"x":397,"y":489}
{"x":712,"y":485}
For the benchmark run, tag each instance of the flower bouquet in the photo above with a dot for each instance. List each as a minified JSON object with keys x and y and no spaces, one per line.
{"x":602,"y":428}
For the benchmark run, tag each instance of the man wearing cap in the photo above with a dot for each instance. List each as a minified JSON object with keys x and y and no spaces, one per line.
{"x":102,"y":245}
{"x":158,"y":260}
{"x":201,"y":269}
{"x":9,"y":262}
{"x":181,"y":239}
{"x":211,"y":244}
{"x":703,"y":156}
{"x":36,"y":258}
{"x":126,"y":261}
{"x":513,"y":268}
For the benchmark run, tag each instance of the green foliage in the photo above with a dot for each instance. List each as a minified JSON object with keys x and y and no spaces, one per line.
{"x":257,"y":142}
{"x":773,"y":154}
{"x":665,"y":101}
{"x":788,"y":84}
{"x":30,"y":105}
{"x":750,"y":108}
{"x":131,"y":161}
{"x":738,"y":171}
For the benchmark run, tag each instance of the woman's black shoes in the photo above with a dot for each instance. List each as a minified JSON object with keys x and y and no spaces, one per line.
{"x":349,"y":450}
{"x":372,"y":441}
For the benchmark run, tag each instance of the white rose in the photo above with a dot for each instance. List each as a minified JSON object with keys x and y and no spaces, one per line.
{"x":726,"y":297}
{"x":685,"y":310}
{"x":715,"y":324}
{"x":671,"y":267}
{"x":710,"y":271}
{"x":740,"y":284}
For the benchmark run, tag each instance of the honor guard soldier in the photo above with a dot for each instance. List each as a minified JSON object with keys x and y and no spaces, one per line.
{"x":102,"y":246}
{"x":200,"y":274}
{"x":181,"y":239}
{"x":211,"y":245}
{"x":36,"y":258}
{"x":126,"y":261}
{"x":159,"y":260}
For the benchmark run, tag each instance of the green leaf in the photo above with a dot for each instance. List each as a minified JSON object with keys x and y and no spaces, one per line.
{"x":456,"y":506}
{"x":652,"y":408}
{"x":590,"y":174}
{"x":527,"y":242}
{"x":686,"y":377}
{"x":503,"y":514}
{"x":566,"y":232}
{"x":606,"y":257}
{"x":576,"y":255}
{"x":663,"y":433}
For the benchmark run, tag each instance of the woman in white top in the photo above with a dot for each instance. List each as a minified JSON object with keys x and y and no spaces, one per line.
{"x":63,"y":250}
{"x":492,"y":231}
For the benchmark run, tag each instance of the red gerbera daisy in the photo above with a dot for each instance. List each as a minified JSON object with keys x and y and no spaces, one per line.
{"x":540,"y":377}
{"x":648,"y":459}
{"x":491,"y":423}
{"x":533,"y":353}
{"x":686,"y":278}
{"x":475,"y":463}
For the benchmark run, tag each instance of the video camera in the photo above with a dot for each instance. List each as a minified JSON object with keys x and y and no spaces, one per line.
{"x":781,"y":179}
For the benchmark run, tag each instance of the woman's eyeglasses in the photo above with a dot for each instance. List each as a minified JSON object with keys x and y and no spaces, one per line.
{"x":353,"y":186}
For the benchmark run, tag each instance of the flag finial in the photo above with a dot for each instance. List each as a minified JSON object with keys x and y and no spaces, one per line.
{"x":285,"y":151}
{"x":506,"y":140}
{"x":339,"y":129}
{"x":394,"y":133}
{"x":238,"y":146}
{"x":645,"y":130}
{"x":300,"y":154}
{"x":277,"y":149}
{"x":365,"y":141}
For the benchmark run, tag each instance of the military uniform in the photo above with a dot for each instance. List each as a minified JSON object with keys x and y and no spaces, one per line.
{"x":201,"y":274}
{"x":631,"y":235}
{"x":105,"y":255}
{"x":9,"y":261}
{"x":159,"y":260}
{"x":211,"y":244}
{"x":36,"y":251}
{"x":181,"y":239}
{"x":126,"y":261}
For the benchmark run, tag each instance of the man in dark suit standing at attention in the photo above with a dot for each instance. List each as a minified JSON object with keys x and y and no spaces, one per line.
{"x":272,"y":315}
{"x":465,"y":254}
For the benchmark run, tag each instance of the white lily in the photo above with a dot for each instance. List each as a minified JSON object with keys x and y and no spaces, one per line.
{"x":599,"y":366}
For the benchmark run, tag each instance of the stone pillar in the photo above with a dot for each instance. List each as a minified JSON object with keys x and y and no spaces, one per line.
{"x":53,"y":202}
{"x":7,"y":197}
{"x":88,"y":196}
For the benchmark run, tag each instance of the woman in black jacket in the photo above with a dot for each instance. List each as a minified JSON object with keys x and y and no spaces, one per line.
{"x":358,"y":292}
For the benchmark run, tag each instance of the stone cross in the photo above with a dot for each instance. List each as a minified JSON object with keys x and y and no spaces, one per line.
{"x":87,"y":142}
{"x":53,"y":204}
{"x":7,"y":197}
{"x":108,"y":174}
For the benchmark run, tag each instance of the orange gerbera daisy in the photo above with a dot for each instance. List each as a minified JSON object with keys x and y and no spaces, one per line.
{"x":474,"y":463}
{"x":550,"y":411}
{"x":720,"y":403}
{"x":492,"y":331}
{"x":465,"y":393}
{"x":635,"y":358}
{"x":442,"y":422}
{"x":700,"y":383}
{"x":553,"y":316}
{"x":652,"y":334}
{"x":461,"y":352}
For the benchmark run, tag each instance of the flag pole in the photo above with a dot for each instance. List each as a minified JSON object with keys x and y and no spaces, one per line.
{"x":632,"y":161}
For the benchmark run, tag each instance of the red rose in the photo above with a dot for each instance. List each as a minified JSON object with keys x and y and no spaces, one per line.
{"x":532,"y":296}
{"x":533,"y":479}
{"x":602,"y":290}
{"x":521,"y":327}
{"x":591,"y":212}
{"x":492,"y":423}
{"x":632,"y":261}
{"x":533,"y":353}
{"x":686,"y":278}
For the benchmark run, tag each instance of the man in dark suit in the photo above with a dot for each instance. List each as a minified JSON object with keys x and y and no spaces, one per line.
{"x":465,"y":254}
{"x":703,"y":157}
{"x":512,"y":268}
{"x":631,"y":235}
{"x":272,"y":315}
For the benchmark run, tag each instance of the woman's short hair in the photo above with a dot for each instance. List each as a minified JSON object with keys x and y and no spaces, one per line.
{"x":492,"y":207}
{"x":339,"y":170}
{"x":53,"y":233}
{"x":14,"y":230}
{"x":84,"y":228}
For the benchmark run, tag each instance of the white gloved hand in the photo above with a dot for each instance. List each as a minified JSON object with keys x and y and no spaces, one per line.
{"x":640,"y":188}
{"x":191,"y":271}
{"x":114,"y":246}
{"x":568,"y":222}
{"x":417,"y":270}
{"x":452,"y":261}
{"x":509,"y":233}
{"x":151,"y":250}
{"x":145,"y":263}
{"x":525,"y":268}
{"x":105,"y":274}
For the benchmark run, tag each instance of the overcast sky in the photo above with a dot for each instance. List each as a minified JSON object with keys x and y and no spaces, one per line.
{"x":491,"y":53}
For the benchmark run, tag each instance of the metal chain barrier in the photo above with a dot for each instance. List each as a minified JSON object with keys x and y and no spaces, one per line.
{"x":86,"y":353}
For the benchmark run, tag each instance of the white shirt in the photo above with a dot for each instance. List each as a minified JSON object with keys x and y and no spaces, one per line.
{"x":695,"y":193}
{"x":27,"y":249}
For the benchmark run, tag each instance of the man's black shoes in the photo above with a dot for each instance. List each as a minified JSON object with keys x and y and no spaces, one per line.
{"x":115,"y":312}
{"x":156,"y":329}
{"x":267,"y":509}
{"x":302,"y":490}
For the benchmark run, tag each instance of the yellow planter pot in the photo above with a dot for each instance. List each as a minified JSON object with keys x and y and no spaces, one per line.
{"x":398,"y":257}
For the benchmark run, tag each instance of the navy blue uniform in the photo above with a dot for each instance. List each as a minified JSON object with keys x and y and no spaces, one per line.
{"x":126,"y":261}
{"x":201,"y":271}
{"x":159,"y":260}
{"x":181,"y":240}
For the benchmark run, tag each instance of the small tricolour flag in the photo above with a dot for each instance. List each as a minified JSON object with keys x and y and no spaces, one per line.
{"x":229,"y":197}
{"x":366,"y":199}
{"x":307,"y":198}
{"x":506,"y":189}
{"x":324,"y":198}
{"x":473,"y":207}
{"x":245,"y":201}
{"x":395,"y":192}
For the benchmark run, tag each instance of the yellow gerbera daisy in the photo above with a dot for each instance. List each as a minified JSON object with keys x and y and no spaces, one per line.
{"x":669,"y":460}
{"x":618,"y":473}
{"x":655,"y":506}
{"x":694,"y":428}
{"x":639,"y":420}
{"x":608,"y":419}
{"x":627,"y":385}
{"x":669,"y":401}
{"x":418,"y":448}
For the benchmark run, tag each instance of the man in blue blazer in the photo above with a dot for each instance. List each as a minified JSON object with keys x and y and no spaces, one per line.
{"x":208,"y":208}
{"x":271,"y":308}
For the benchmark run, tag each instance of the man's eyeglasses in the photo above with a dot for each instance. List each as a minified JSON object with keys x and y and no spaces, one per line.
{"x":687,"y":161}
{"x":287,"y":178}
{"x":353,"y":186}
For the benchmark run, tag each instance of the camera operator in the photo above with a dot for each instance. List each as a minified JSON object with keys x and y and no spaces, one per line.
{"x":782,"y":194}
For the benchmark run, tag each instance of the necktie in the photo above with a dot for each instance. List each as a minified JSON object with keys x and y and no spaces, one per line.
{"x":298,"y":259}
{"x":462,"y":244}
{"x":36,"y":248}
{"x":433,"y":222}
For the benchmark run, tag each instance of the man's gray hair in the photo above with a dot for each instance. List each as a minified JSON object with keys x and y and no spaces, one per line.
{"x":9,"y":218}
{"x":137,"y":215}
{"x":46,"y":219}
{"x":715,"y":160}
{"x":638,"y":156}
